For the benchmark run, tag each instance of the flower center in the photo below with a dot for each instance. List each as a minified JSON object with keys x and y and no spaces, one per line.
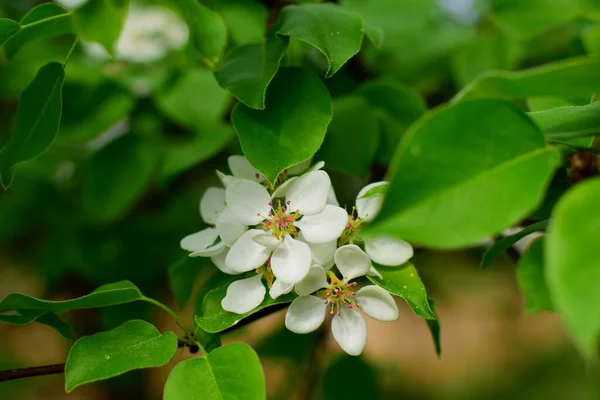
{"x":350,"y":234}
{"x":266,"y":272}
{"x":280,"y":220}
{"x":339,"y":294}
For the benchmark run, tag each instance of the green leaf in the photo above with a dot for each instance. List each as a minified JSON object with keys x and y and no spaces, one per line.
{"x":573,"y":263}
{"x":37,"y":121}
{"x":404,"y":281}
{"x":209,"y":105}
{"x":334,"y":31}
{"x":526,"y":19}
{"x":208,"y":32}
{"x":45,"y":20}
{"x":379,"y":190}
{"x":396,"y":109}
{"x":106,"y":295}
{"x":24,"y":317}
{"x":101,"y":21}
{"x":211,"y":317}
{"x":116,"y":176}
{"x":566,"y":78}
{"x":374,"y":33}
{"x":531,"y":279}
{"x":452,"y":168}
{"x":245,"y":24}
{"x":8,"y":27}
{"x":568,"y":122}
{"x":231,"y":372}
{"x":493,"y":252}
{"x":247,"y":70}
{"x":134,"y":345}
{"x":181,"y":155}
{"x":292,"y":127}
{"x":488,"y":51}
{"x":182,"y":276}
{"x":434,"y":329}
{"x":352,"y":137}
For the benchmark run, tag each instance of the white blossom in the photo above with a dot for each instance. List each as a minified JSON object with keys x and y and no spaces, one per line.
{"x":307,"y":312}
{"x":277,"y":224}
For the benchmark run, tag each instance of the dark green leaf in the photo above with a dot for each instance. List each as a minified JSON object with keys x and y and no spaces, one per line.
{"x":182,"y":276}
{"x":229,"y":372}
{"x":531,"y":279}
{"x":245,"y":24}
{"x":397,"y":108}
{"x":116,"y":176}
{"x":292,"y":127}
{"x":569,"y":122}
{"x":106,"y":295}
{"x":248,"y":70}
{"x":37,"y":121}
{"x":572,"y":263}
{"x":24,"y":317}
{"x":8,"y":27}
{"x":352,"y":137}
{"x":46,"y":20}
{"x":526,"y":19}
{"x":451,"y":168}
{"x":211,"y":317}
{"x":101,"y":21}
{"x":567,"y":78}
{"x":134,"y":345}
{"x":208,"y":31}
{"x":404,"y":281}
{"x":434,"y":329}
{"x":493,"y":252}
{"x":335,"y":31}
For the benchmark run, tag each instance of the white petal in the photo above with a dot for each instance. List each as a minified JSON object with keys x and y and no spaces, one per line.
{"x":229,"y":226}
{"x":246,"y":254}
{"x":211,"y":204}
{"x":315,"y":279}
{"x":226,"y":179}
{"x":300,"y":167}
{"x":322,"y":253}
{"x":291,"y":260}
{"x":317,"y":166}
{"x":325,"y":226}
{"x":199,"y":240}
{"x":267,"y":239}
{"x":369,"y":208}
{"x":309,"y":192}
{"x":210,"y":251}
{"x":377,"y":303}
{"x":305,"y":314}
{"x":241,"y":168}
{"x":244,"y":295}
{"x":282,"y":190}
{"x":280,"y":288}
{"x":350,"y":331}
{"x":352,"y":261}
{"x":374,"y":272}
{"x":388,"y":251}
{"x":219,"y":261}
{"x":332,"y":198}
{"x":248,"y":200}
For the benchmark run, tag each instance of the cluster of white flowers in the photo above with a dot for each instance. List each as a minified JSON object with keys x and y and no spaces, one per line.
{"x":292,"y":236}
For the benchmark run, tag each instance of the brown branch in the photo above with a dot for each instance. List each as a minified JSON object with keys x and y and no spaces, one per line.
{"x":18,"y":373}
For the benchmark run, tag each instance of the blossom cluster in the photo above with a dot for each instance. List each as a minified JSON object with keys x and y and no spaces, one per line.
{"x":297,"y":238}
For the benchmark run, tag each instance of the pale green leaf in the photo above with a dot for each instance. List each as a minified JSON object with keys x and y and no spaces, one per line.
{"x":134,"y":345}
{"x":101,"y":21}
{"x":568,"y":122}
{"x":572,"y":263}
{"x":531,"y":279}
{"x":231,"y":372}
{"x":451,"y":168}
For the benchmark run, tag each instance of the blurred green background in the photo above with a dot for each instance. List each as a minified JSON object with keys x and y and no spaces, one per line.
{"x":140,"y":141}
